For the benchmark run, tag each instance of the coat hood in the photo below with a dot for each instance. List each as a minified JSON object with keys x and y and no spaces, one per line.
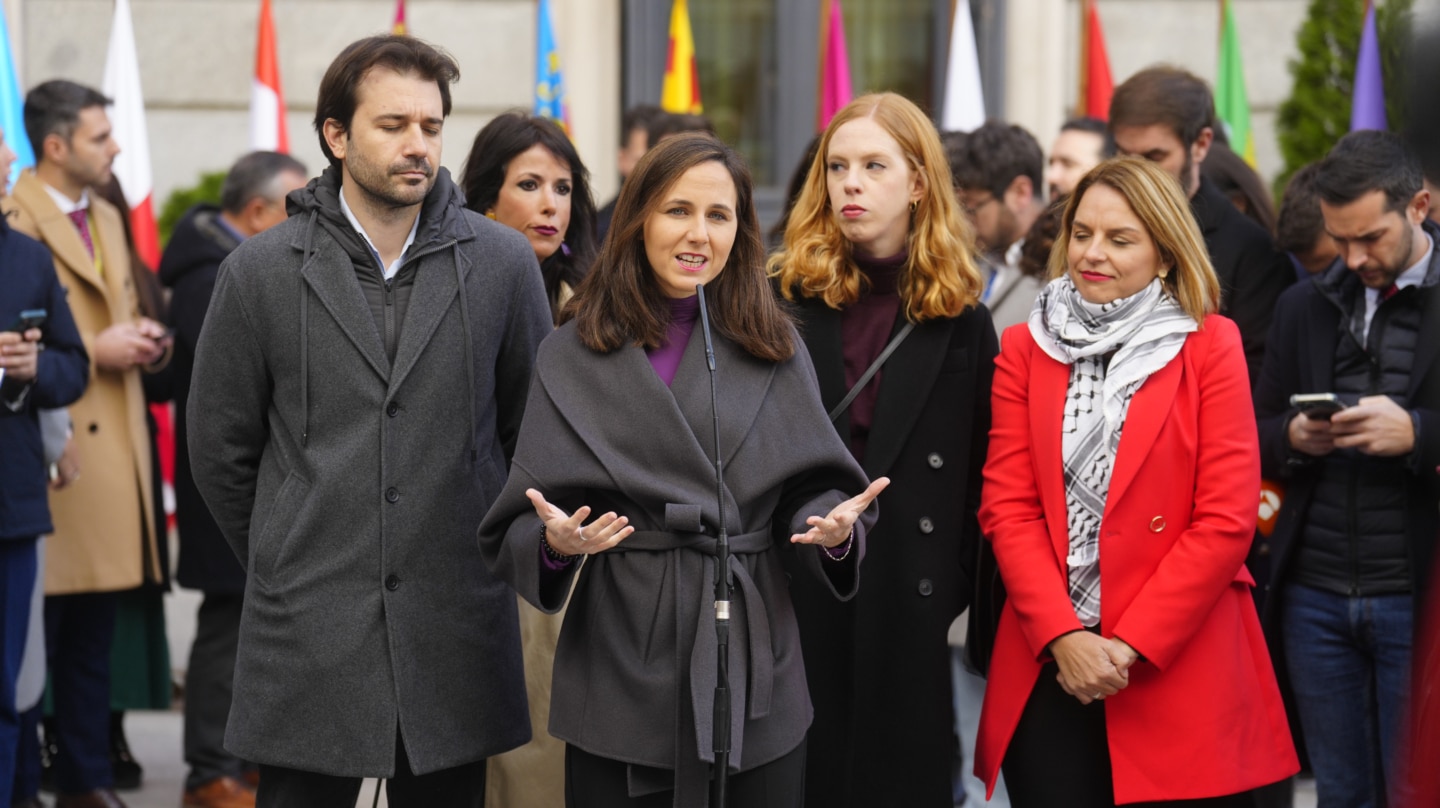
{"x":199,"y":241}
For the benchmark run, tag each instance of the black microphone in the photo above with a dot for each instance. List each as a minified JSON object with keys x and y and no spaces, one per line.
{"x":720,"y":717}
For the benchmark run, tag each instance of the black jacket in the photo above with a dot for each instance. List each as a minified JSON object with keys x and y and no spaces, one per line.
{"x":1300,"y":358}
{"x":1252,"y":272}
{"x":28,"y":281}
{"x":880,"y":663}
{"x":188,"y":267}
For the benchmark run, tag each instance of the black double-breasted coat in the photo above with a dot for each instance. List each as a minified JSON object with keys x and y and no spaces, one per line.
{"x":880,"y":664}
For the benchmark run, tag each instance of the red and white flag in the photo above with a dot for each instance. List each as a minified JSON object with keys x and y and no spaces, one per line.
{"x":127,"y":119}
{"x":267,"y":100}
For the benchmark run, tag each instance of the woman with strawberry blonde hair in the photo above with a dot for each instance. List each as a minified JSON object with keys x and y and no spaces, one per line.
{"x":880,"y":263}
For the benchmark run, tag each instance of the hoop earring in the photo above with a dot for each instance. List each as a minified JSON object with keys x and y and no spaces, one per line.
{"x":914,"y":205}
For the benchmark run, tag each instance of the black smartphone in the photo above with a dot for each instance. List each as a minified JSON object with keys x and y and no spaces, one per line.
{"x":1319,"y":406}
{"x":28,"y":319}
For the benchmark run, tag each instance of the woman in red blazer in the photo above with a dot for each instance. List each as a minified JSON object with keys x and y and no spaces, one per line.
{"x":1120,"y":496}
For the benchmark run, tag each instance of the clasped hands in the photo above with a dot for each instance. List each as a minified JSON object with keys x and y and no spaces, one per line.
{"x":568,"y":534}
{"x":124,"y":345}
{"x":1092,"y":667}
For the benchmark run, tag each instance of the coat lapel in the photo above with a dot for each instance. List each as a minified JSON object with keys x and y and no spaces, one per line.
{"x":1149,"y":409}
{"x":330,"y":275}
{"x":435,"y":291}
{"x":57,"y":231}
{"x":905,"y":384}
{"x":1049,"y":380}
{"x":1428,"y":349}
{"x":820,"y":329}
{"x":740,"y":383}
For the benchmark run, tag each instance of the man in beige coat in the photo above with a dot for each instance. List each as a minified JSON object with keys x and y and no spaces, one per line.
{"x":101,"y":544}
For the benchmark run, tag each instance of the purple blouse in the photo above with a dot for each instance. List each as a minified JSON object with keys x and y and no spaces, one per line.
{"x":684,"y":311}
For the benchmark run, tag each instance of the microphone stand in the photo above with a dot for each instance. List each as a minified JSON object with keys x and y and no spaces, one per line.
{"x":719,"y":782}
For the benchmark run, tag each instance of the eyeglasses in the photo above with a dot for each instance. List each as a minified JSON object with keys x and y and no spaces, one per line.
{"x":973,"y":210}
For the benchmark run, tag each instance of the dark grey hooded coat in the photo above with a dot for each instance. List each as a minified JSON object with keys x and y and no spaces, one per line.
{"x":635,"y":665}
{"x":350,"y":486}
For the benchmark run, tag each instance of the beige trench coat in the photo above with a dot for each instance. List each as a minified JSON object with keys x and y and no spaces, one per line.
{"x":101,"y":542}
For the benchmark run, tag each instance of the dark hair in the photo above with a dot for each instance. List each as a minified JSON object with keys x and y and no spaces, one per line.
{"x":256,"y":175}
{"x":502,"y":140}
{"x":1300,"y":222}
{"x":1239,"y":182}
{"x":1367,"y":161}
{"x":620,"y":302}
{"x":1164,"y":95}
{"x":673,"y":123}
{"x":1037,"y":245}
{"x":403,"y":54}
{"x":53,"y":108}
{"x":953,"y":144}
{"x":640,"y":116}
{"x":1094,"y":126}
{"x":793,"y":189}
{"x":995,"y":154}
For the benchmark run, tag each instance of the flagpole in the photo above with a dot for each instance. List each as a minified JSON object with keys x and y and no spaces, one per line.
{"x":1083,"y":74}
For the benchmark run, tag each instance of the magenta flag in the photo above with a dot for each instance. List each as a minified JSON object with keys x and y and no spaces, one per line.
{"x":1367,"y":109}
{"x":835,"y":71}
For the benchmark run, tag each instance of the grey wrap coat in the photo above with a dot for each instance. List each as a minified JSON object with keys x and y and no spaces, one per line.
{"x":635,"y":667}
{"x":350,"y":488}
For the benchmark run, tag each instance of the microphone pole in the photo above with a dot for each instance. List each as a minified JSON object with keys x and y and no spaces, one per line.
{"x":719,"y":783}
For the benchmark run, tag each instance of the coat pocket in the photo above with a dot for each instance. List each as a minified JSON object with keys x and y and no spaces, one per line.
{"x":265,"y":553}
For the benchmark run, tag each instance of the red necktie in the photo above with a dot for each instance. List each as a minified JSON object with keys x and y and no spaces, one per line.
{"x":1388,"y":292}
{"x":81,"y":224}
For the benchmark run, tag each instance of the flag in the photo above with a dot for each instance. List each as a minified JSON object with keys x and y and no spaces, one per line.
{"x":267,"y":100}
{"x":12,"y":106}
{"x":681,"y":90}
{"x":1367,"y":110}
{"x":127,"y":119}
{"x":399,"y":27}
{"x":834,"y":67}
{"x":1096,"y":85}
{"x":1232,"y":103}
{"x":964,"y":108}
{"x":549,"y":80}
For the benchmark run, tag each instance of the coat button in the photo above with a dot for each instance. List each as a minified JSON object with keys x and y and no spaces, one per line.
{"x":935,"y":460}
{"x":392,"y":495}
{"x":392,"y":583}
{"x":392,"y":409}
{"x":1157,"y":524}
{"x":94,"y":427}
{"x":925,"y":588}
{"x":926,"y":526}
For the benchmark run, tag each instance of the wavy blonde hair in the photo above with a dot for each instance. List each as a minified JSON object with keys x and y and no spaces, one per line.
{"x":1163,"y":209}
{"x":940,"y":277}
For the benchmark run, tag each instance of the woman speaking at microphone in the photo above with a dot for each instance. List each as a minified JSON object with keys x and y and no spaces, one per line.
{"x":613,"y":489}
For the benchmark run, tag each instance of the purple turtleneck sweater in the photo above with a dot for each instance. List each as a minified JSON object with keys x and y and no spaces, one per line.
{"x":684,"y":311}
{"x":865,"y":328}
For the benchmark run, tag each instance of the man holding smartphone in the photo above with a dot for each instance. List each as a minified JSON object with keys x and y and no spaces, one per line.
{"x":1354,"y":538}
{"x":34,"y":314}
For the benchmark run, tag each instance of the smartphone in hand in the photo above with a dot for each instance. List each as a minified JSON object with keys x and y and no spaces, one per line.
{"x":1318,"y":406}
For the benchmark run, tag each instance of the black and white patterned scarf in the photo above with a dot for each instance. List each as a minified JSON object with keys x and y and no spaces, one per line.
{"x":1111,"y":348}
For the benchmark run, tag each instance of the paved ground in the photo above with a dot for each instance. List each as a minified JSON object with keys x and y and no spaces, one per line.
{"x":155,"y":736}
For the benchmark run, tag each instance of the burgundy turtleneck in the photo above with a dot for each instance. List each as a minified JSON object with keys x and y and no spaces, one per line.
{"x":684,"y":311}
{"x":865,"y":327}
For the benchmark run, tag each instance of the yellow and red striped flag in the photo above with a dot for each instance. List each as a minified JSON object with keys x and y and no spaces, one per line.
{"x":681,"y":90}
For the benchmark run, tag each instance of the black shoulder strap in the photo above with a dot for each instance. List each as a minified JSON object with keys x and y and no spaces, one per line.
{"x":871,"y":371}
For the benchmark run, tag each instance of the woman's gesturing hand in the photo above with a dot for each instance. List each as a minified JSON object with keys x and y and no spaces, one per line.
{"x":832,"y":529}
{"x":568,"y":535}
{"x":1087,"y":667}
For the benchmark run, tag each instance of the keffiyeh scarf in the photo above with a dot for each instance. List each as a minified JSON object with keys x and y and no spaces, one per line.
{"x":1111,"y":348}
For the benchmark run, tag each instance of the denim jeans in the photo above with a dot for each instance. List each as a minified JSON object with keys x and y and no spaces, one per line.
{"x":1349,"y":661}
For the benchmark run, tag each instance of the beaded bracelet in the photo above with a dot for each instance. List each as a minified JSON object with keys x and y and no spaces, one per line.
{"x":848,"y":544}
{"x":550,"y":552}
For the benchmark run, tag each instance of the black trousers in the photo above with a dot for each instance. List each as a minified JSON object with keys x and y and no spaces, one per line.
{"x":460,"y":787}
{"x":209,"y":683}
{"x":592,"y":781}
{"x":1060,"y":755}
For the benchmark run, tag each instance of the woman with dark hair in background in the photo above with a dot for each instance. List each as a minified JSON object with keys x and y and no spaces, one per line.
{"x":613,"y":488}
{"x":877,"y":253}
{"x":524,"y":173}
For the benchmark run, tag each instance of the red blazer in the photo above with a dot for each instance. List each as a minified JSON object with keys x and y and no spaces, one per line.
{"x":1202,"y":715}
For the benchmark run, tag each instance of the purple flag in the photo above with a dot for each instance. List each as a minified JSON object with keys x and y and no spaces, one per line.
{"x":1368,"y":105}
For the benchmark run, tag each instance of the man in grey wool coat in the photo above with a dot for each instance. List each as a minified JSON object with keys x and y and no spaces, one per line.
{"x":357,"y":393}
